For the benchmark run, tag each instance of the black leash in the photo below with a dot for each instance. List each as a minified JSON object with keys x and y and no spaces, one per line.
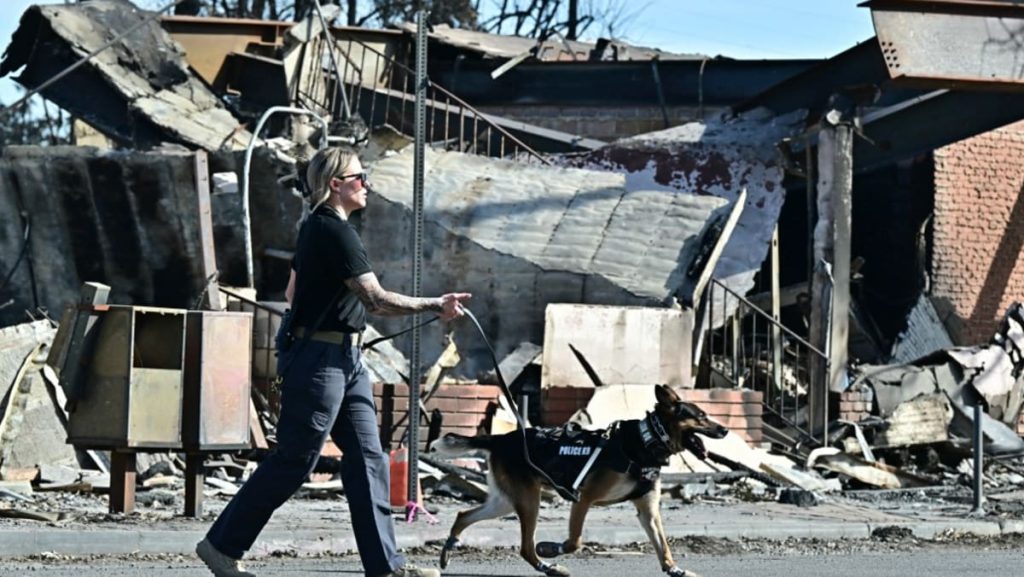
{"x":568,"y":494}
{"x":369,"y":345}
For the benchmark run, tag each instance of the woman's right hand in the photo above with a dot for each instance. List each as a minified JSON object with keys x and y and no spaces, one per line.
{"x":451,"y":305}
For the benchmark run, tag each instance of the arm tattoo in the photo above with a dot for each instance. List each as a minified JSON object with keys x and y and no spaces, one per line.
{"x":386,"y":303}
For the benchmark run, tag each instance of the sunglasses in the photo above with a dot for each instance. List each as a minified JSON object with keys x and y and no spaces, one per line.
{"x":362,"y":176}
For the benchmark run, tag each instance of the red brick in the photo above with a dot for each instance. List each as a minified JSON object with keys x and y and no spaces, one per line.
{"x":977,"y":212}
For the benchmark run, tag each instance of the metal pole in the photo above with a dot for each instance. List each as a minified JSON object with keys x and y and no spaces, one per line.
{"x":979,"y":446}
{"x":417,"y":252}
{"x":246,"y":222}
{"x":329,"y":40}
{"x":776,"y":313}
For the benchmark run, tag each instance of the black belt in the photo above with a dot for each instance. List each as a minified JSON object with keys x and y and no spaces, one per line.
{"x":332,"y":337}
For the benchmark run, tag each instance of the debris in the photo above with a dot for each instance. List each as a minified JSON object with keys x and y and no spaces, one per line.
{"x":999,"y":439}
{"x":160,"y":481}
{"x":461,"y":487}
{"x":515,"y":362}
{"x":163,"y":468}
{"x":223,"y":487}
{"x":921,"y":420}
{"x":587,"y":367}
{"x":806,"y":480}
{"x":66,"y":487}
{"x":33,"y":515}
{"x":31,"y":431}
{"x":924,"y":334}
{"x":145,"y":93}
{"x":655,"y":340}
{"x":688,"y":491}
{"x":504,"y":419}
{"x":20,"y":490}
{"x":798,"y":497}
{"x":448,"y":359}
{"x":891,"y":534}
{"x":57,"y":474}
{"x":874,"y":474}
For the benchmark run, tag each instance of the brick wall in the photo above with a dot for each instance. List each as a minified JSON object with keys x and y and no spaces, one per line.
{"x":855,"y":406}
{"x":977,"y":263}
{"x":466,"y":409}
{"x":738,"y":409}
{"x":600,"y":122}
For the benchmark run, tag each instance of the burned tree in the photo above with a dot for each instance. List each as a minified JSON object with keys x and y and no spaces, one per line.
{"x":542,"y":18}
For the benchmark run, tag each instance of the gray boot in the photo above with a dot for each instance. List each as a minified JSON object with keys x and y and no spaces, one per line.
{"x":219,"y":563}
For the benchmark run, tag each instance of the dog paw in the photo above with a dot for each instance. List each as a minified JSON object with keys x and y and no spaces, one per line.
{"x":677,"y":571}
{"x":549,"y":549}
{"x":450,"y":545}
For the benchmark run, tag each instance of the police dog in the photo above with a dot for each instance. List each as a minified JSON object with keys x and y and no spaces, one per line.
{"x":627,"y":471}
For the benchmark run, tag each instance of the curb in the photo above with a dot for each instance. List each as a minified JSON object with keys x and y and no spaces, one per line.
{"x":21,"y":542}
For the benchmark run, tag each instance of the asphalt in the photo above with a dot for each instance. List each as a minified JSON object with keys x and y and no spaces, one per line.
{"x":315,"y":526}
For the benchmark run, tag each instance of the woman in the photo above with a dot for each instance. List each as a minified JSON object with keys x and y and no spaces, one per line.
{"x":326,"y":390}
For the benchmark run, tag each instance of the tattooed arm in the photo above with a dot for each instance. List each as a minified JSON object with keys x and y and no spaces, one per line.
{"x":386,"y":303}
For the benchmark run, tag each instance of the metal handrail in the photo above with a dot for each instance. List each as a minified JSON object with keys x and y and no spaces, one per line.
{"x":246,"y":221}
{"x":740,"y":319}
{"x":768,"y":318}
{"x":458,"y":100}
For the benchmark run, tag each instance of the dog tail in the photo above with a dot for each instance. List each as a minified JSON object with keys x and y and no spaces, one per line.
{"x":454,"y":445}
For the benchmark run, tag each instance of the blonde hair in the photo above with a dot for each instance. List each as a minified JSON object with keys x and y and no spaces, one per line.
{"x":326,"y":164}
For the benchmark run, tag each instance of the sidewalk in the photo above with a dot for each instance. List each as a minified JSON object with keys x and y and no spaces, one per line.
{"x":307,"y":526}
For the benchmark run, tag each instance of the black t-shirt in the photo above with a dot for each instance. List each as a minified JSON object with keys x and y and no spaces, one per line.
{"x":328,"y":251}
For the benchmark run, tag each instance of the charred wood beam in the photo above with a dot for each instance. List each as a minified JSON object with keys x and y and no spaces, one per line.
{"x":723,"y":82}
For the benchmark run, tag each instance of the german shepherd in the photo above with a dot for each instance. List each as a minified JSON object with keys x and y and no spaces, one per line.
{"x":643,"y":446}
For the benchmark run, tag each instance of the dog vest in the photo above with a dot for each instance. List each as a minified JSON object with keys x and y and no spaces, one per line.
{"x":566,"y":454}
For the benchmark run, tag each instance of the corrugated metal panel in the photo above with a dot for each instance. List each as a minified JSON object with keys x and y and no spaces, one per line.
{"x":561,"y":219}
{"x":716,"y":159}
{"x":924,"y":334}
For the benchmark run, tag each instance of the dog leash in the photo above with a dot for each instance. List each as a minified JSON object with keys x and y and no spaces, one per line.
{"x":512,"y":404}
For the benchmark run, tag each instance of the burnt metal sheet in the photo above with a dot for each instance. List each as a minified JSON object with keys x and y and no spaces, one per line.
{"x":951,"y":44}
{"x":217,"y":380}
{"x":133,"y":394}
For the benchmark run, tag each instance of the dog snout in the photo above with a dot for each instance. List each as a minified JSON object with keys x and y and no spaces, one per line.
{"x":714,"y":430}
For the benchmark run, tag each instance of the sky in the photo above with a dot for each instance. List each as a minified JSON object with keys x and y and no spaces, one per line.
{"x":750,"y":29}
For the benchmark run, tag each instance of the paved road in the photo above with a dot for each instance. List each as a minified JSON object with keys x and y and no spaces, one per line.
{"x":945,"y":563}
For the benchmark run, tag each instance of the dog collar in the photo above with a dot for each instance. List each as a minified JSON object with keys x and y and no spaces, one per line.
{"x":653,"y":434}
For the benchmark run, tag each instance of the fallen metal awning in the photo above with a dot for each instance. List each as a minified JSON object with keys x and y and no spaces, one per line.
{"x":951,"y":43}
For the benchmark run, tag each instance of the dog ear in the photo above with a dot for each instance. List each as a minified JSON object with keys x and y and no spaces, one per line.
{"x":665,"y":395}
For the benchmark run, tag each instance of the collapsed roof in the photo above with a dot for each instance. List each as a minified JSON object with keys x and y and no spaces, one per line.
{"x":560,"y":219}
{"x":507,"y":46}
{"x":719,"y":158}
{"x":138,"y":91}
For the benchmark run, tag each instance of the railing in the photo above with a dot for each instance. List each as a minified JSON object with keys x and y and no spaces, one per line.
{"x":379,"y":88}
{"x":748,"y":348}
